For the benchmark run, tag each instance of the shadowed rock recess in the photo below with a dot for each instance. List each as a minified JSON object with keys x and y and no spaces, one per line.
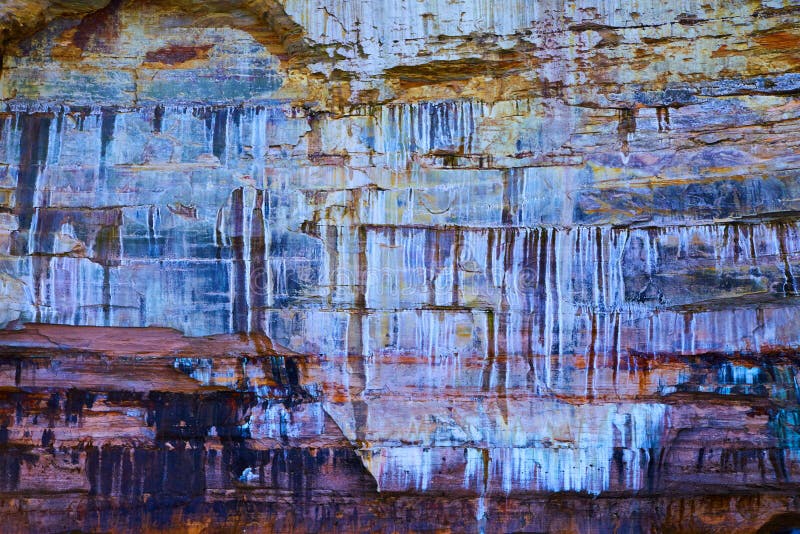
{"x":399,"y":265}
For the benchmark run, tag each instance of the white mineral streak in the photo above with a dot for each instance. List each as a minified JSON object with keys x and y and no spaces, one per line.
{"x":482,"y":280}
{"x":566,"y":448}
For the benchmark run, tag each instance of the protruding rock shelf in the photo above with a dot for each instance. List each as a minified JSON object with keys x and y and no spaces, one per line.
{"x":436,"y":265}
{"x":130,"y":429}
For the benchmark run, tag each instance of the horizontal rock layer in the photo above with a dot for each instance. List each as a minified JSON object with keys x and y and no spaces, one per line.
{"x":130,"y":429}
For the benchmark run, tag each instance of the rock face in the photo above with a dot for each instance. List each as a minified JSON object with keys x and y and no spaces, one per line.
{"x":437,"y":265}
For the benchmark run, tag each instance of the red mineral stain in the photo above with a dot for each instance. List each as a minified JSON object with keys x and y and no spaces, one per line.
{"x":177,"y":54}
{"x":97,"y":30}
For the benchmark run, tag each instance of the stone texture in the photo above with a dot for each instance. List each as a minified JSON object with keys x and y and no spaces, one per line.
{"x":485,"y":266}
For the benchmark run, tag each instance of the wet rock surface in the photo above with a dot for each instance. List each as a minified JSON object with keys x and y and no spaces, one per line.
{"x":227,"y":433}
{"x":359,"y":266}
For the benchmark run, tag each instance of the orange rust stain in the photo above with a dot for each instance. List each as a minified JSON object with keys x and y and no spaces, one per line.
{"x":724,"y":51}
{"x":781,"y":40}
{"x":488,"y":89}
{"x":435,"y":72}
{"x":66,"y":52}
{"x":776,"y":51}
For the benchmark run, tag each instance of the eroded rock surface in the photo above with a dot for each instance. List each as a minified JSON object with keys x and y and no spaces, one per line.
{"x":357,"y":266}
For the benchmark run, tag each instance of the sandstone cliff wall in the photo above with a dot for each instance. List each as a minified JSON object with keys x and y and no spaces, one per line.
{"x":522,"y":249}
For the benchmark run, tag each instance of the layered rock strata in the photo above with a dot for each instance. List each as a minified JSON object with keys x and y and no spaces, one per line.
{"x":461,"y":265}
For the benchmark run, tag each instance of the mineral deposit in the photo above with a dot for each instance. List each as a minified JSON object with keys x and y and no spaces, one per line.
{"x":399,"y":265}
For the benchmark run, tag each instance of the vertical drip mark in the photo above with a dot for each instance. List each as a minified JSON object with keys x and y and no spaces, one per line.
{"x":259,"y":274}
{"x":721,"y":252}
{"x":591,"y":362}
{"x":434,"y":126}
{"x":432,"y":260}
{"x":239,"y":305}
{"x":789,"y":286}
{"x":509,"y":183}
{"x":108,"y":252}
{"x":158,"y":118}
{"x":236,"y":118}
{"x":626,"y":126}
{"x":508,"y":265}
{"x":107,"y":121}
{"x":499,"y":242}
{"x":615,"y":347}
{"x":652,"y":252}
{"x":759,"y":329}
{"x":152,"y":232}
{"x":332,"y":245}
{"x":106,"y":295}
{"x":553,"y":290}
{"x":57,"y":136}
{"x":355,"y":335}
{"x":207,"y":116}
{"x":541,"y":284}
{"x":547,"y":303}
{"x":490,"y":255}
{"x":532,"y":377}
{"x":219,"y":232}
{"x":486,"y":376}
{"x":737,"y":245}
{"x":32,"y":157}
{"x":357,"y":384}
{"x":268,"y":288}
{"x":355,"y":332}
{"x":40,"y":265}
{"x":599,"y":297}
{"x":314,"y":135}
{"x":220,"y":134}
{"x":530,"y":282}
{"x":36,"y":234}
{"x":470,"y":125}
{"x":688,"y":334}
{"x":502,"y":364}
{"x":558,"y":239}
{"x":519,"y":285}
{"x":457,"y":245}
{"x":752,"y":242}
{"x":662,"y":114}
{"x":361,"y":268}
